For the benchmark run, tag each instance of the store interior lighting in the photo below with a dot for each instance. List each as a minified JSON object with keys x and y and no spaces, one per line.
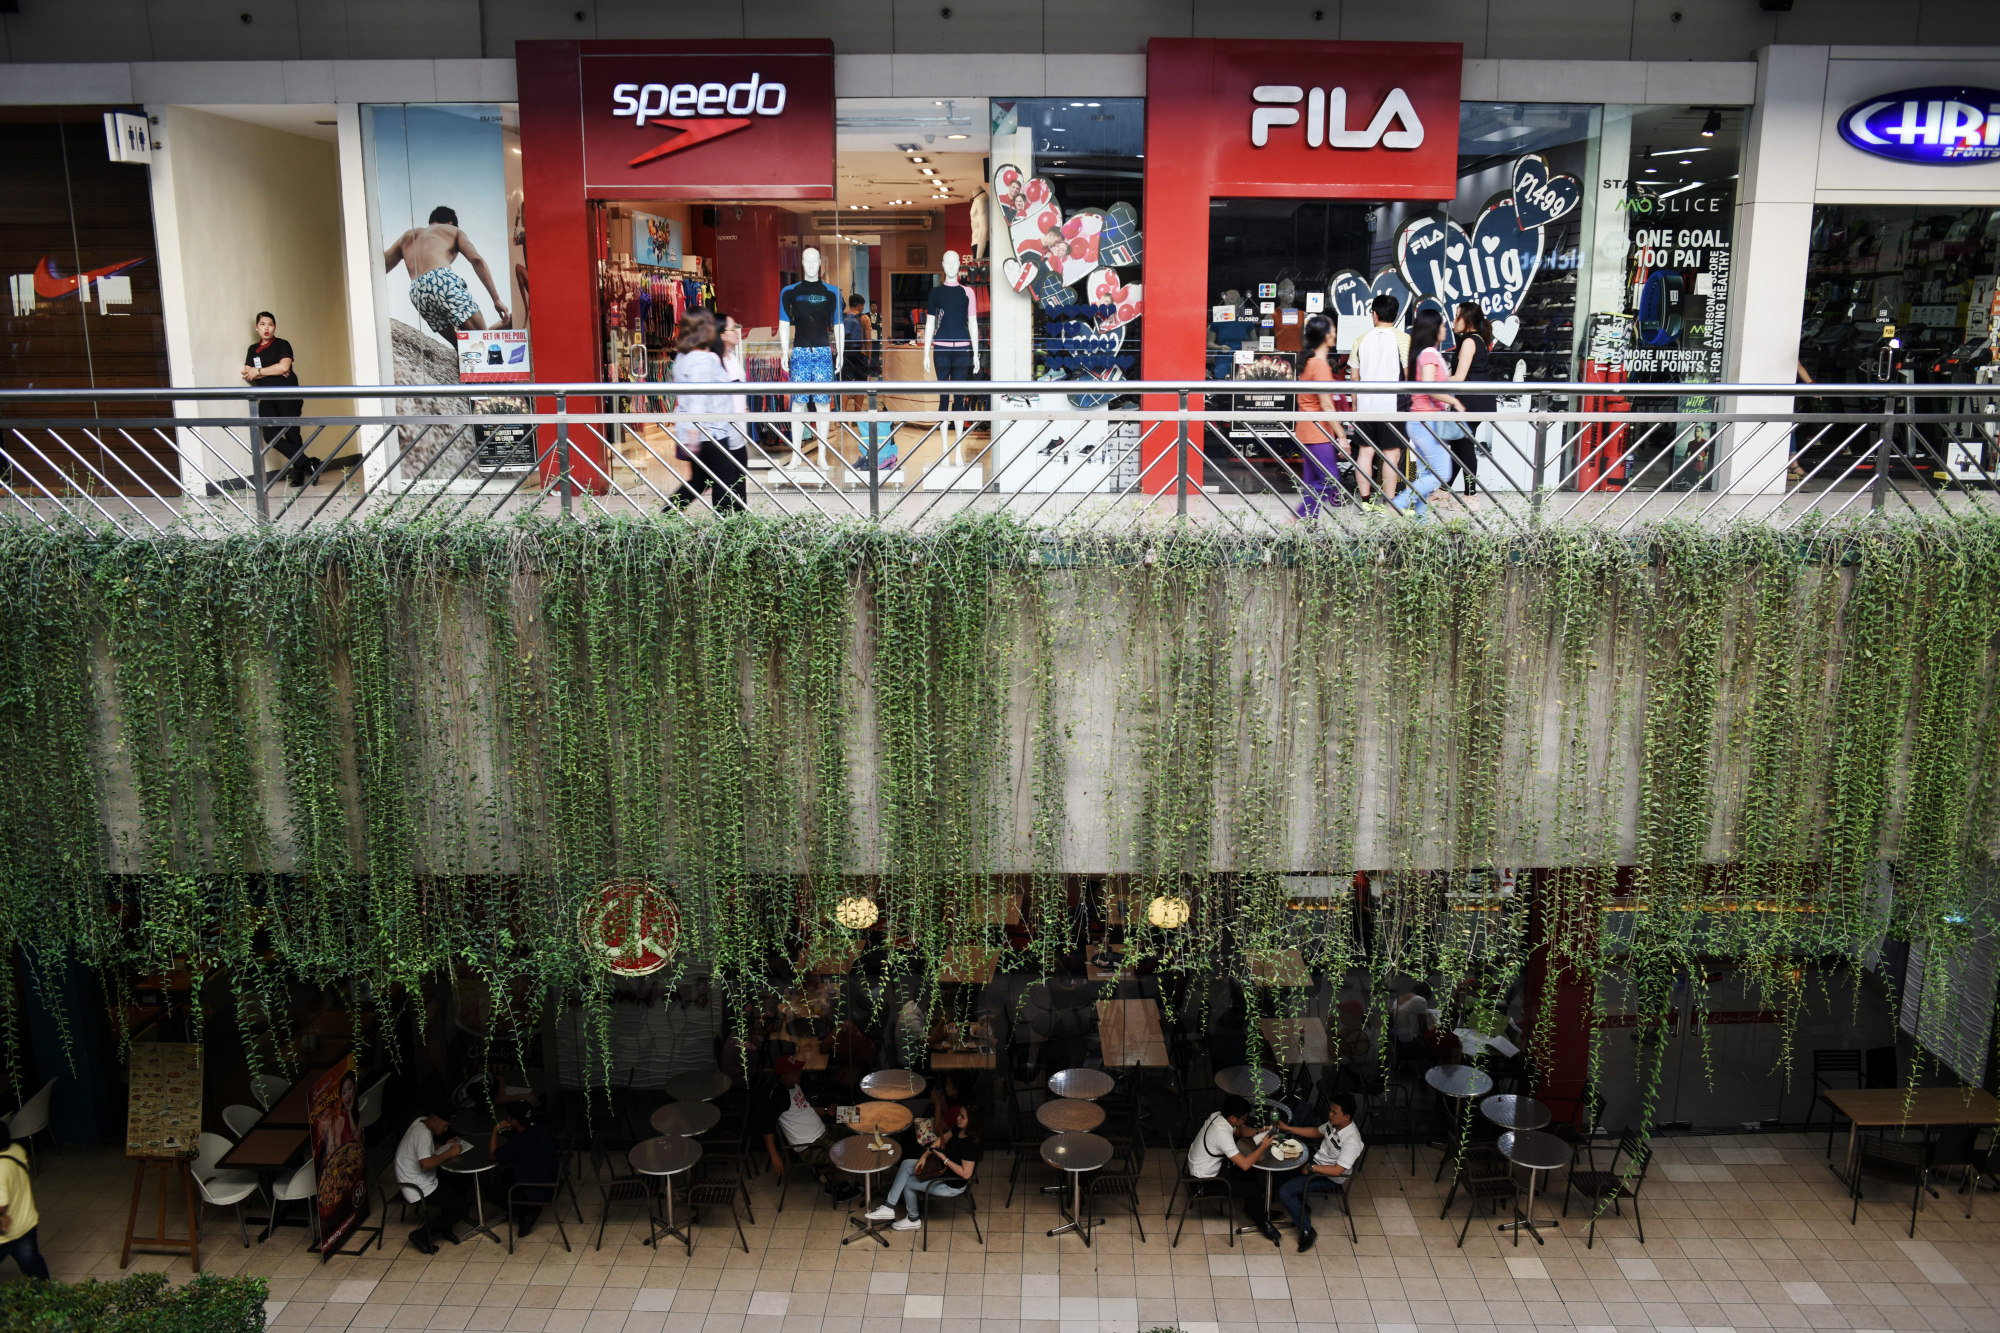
{"x":1711,"y":124}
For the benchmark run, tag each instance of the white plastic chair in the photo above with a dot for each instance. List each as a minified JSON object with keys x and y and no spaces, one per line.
{"x":33,"y":1119}
{"x":303,"y":1185}
{"x":240,"y":1118}
{"x":370,"y":1105}
{"x":223,"y":1189}
{"x":267,"y":1088}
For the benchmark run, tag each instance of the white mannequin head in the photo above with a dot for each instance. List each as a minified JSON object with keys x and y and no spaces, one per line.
{"x":951,"y":266}
{"x":809,"y":263}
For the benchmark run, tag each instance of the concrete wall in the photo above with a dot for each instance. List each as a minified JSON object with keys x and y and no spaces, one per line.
{"x":248,"y":219}
{"x":1663,"y":30}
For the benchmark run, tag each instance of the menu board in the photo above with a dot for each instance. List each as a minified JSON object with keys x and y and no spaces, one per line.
{"x":164,"y":1119}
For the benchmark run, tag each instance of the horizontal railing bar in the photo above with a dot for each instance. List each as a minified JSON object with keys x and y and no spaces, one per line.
{"x":994,"y":388}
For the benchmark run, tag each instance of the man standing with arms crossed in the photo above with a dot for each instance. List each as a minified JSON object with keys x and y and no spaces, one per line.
{"x":436,"y":290}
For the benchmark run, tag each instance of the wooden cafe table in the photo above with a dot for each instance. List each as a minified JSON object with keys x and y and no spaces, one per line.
{"x":1131,"y":1033}
{"x":1898,"y":1108}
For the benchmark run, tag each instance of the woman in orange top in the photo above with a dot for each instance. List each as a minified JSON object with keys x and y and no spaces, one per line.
{"x":1323,"y":443}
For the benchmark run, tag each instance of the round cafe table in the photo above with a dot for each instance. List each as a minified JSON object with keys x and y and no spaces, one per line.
{"x":1243,"y":1081}
{"x":1461,"y":1083}
{"x":863,"y":1155}
{"x":1510,"y":1111}
{"x":688,"y":1119}
{"x":1086,"y":1084}
{"x":474,"y":1162}
{"x":704,"y":1085}
{"x":662,"y":1159}
{"x":883,"y":1118}
{"x":893,"y":1085}
{"x":1538,"y":1152}
{"x":1272,"y":1169}
{"x":1069,"y":1117}
{"x":1076,"y":1154}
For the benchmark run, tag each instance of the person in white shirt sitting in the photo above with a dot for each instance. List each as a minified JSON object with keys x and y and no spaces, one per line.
{"x":418,"y":1157}
{"x":1339,"y":1149}
{"x":1215,"y":1147}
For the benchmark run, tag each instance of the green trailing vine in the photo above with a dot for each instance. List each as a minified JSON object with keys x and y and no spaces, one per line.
{"x":388,"y":756}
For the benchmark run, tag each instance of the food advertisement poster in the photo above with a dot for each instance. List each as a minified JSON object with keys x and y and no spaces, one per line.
{"x":163,"y":1118}
{"x":339,"y":1158}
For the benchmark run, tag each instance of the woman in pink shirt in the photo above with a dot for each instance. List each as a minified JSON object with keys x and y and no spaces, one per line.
{"x":1430,"y":460}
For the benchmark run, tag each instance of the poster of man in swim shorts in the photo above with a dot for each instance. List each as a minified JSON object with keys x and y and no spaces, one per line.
{"x":446,"y":192}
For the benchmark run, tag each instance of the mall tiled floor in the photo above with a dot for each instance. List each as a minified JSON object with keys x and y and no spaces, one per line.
{"x":1742,"y":1234}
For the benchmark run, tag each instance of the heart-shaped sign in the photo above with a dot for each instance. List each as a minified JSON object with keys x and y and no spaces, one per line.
{"x":1348,"y":293}
{"x":1495,"y":275}
{"x":1540,"y":197}
{"x":1506,"y":330}
{"x":1120,"y":244}
{"x":1106,"y":289}
{"x":1031,"y":274}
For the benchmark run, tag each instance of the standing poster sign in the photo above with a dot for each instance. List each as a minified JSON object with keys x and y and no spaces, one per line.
{"x":339,"y":1158}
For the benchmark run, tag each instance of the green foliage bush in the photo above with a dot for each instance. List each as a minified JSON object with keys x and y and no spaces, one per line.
{"x":140,"y":1303}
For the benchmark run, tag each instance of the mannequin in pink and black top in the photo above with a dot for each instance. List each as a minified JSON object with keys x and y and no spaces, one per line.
{"x":951,"y":337}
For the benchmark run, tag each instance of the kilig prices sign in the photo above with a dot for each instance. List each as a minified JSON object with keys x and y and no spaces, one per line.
{"x":706,"y":124}
{"x":1359,"y":120}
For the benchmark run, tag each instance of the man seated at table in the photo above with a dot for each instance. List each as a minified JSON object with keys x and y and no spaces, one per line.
{"x":1339,"y":1149}
{"x":1214,"y":1149}
{"x":790,"y":1112}
{"x":447,"y":1198}
{"x":530,"y":1152}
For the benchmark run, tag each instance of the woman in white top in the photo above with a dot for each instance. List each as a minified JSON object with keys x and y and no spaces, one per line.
{"x":706,"y":347}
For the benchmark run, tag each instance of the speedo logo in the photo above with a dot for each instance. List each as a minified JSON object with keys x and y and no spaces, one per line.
{"x":680,"y":101}
{"x":1326,"y":118}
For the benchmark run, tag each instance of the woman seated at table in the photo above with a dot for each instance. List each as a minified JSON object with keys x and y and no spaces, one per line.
{"x":956,"y":1154}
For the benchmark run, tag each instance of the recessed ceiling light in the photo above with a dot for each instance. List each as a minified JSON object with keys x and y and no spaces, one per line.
{"x":1095,"y":104}
{"x":1652,"y":168}
{"x":918,"y":160}
{"x":854,"y":205}
{"x":1687,"y":161}
{"x":928,"y":172}
{"x":955,"y":136}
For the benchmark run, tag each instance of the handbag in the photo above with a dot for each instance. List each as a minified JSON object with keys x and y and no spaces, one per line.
{"x":930,"y":1167}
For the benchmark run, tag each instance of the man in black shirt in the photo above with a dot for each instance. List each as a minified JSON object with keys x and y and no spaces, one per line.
{"x":269,"y":363}
{"x":531,"y":1153}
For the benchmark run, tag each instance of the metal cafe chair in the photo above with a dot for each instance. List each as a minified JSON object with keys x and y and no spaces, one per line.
{"x":1832,"y":1069}
{"x":964,"y":1196}
{"x":516,"y":1195}
{"x":1610,"y":1185}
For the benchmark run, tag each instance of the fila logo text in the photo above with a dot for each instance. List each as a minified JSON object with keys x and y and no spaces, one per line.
{"x":1326,"y":118}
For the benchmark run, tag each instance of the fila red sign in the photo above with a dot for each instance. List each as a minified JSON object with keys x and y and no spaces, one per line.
{"x":705,"y":123}
{"x":1316,"y":120}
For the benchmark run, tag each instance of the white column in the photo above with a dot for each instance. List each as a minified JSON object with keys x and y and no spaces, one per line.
{"x":365,"y":329}
{"x":1772,"y":237}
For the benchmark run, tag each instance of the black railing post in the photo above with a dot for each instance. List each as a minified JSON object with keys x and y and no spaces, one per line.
{"x":1181,"y":464}
{"x":874,"y":458}
{"x":1878,"y":486}
{"x":562,"y":450}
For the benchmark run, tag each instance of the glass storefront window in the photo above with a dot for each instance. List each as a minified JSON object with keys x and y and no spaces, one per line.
{"x":1900,"y":293}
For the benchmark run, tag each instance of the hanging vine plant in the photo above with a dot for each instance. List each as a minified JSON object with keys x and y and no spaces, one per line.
{"x":383,"y":754}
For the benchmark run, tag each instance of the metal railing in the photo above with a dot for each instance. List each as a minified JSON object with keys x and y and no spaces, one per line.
{"x":1221,"y":452}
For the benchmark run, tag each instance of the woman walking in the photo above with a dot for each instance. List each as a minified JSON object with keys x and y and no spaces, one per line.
{"x":1474,"y":364}
{"x":1430,"y":463}
{"x":1323,"y":443}
{"x":706,"y":350}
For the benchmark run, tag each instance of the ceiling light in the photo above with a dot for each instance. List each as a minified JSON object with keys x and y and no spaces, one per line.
{"x":1652,"y":168}
{"x":954,"y":136}
{"x":854,"y":205}
{"x":1076,"y":104}
{"x":918,"y":160}
{"x":1669,"y":152}
{"x":1094,"y":104}
{"x":1711,"y":125}
{"x":1687,"y":161}
{"x":1691,"y":185}
{"x":928,"y":172}
{"x":1057,"y":129}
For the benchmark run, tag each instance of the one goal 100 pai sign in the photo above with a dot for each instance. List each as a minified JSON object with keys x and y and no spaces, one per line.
{"x":629,"y":928}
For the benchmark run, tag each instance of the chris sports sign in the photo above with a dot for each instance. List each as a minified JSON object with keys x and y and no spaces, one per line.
{"x":1943,"y":126}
